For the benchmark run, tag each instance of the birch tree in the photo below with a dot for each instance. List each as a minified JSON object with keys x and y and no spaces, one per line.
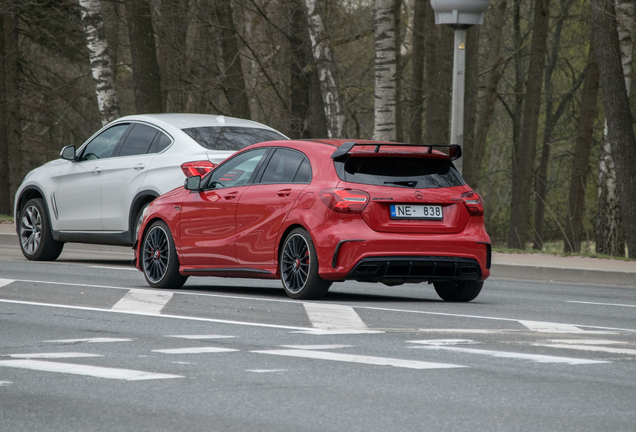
{"x":617,"y":110}
{"x":385,"y":71}
{"x":323,"y":57}
{"x":93,"y":24}
{"x":610,"y":233}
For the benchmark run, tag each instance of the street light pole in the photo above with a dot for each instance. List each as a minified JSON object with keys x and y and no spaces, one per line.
{"x":459,"y":80}
{"x":460,"y":15}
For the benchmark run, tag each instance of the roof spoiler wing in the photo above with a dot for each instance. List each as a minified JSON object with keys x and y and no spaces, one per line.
{"x":454,"y":150}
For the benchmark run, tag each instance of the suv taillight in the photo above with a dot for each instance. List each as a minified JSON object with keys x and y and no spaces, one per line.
{"x":197,"y":168}
{"x":473,"y":203}
{"x":345,"y":200}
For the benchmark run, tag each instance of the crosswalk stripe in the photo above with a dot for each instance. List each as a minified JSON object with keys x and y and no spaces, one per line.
{"x":196,"y":350}
{"x":335,"y":318}
{"x":5,"y":282}
{"x":353,"y":358}
{"x":77,"y":369}
{"x":548,"y":327}
{"x":141,"y":300}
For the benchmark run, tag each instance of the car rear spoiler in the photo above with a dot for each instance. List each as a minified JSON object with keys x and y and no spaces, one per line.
{"x":454,"y":150}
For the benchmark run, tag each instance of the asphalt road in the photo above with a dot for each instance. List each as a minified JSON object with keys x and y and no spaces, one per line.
{"x":86,"y":345}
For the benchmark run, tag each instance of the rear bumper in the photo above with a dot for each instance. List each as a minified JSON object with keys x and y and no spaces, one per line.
{"x":353,"y":251}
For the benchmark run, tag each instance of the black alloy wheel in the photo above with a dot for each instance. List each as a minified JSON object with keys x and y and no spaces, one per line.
{"x":36,"y":239}
{"x":299,"y":267}
{"x":160,"y":263}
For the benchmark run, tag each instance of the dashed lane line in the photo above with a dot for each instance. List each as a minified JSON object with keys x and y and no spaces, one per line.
{"x":59,"y":355}
{"x":196,"y":350}
{"x":85,"y":370}
{"x":90,"y":340}
{"x":602,"y":304}
{"x":353,"y":358}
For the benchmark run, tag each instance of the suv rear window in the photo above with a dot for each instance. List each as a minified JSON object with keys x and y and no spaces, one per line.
{"x":230,"y":138}
{"x":399,"y":171}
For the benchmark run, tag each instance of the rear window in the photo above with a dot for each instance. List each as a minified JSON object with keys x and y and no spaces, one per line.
{"x":230,"y":138}
{"x":408,"y":172}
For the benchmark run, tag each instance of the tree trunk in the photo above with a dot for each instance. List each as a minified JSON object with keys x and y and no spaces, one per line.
{"x":93,"y":24}
{"x":617,"y":111}
{"x":581,"y":160}
{"x":5,"y":199}
{"x":417,"y":71}
{"x":439,"y":76}
{"x":524,"y":157}
{"x":551,"y":118}
{"x":475,"y":153}
{"x":172,"y":26}
{"x":232,"y":74}
{"x":610,"y":234}
{"x":146,"y":77}
{"x":327,"y":74}
{"x":385,"y":71}
{"x":12,"y":134}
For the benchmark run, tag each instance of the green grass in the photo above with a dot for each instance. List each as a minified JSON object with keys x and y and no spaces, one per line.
{"x":556,"y":248}
{"x":6,"y":219}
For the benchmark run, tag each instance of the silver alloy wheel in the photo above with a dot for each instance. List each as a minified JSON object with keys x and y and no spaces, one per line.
{"x":295,"y":262}
{"x":156,"y":254}
{"x":31,"y":229}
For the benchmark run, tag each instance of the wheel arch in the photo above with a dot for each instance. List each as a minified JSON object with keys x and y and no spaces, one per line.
{"x":26,"y":194}
{"x":141,"y":199}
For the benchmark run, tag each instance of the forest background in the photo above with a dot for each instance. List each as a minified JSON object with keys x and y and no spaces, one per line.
{"x":548,"y":128}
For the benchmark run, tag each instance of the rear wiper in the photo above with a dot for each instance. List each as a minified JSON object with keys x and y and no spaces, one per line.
{"x":410,"y":183}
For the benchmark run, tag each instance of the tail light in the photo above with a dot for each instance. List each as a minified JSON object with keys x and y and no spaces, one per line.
{"x":345,"y":200}
{"x":473,"y":203}
{"x":197,"y":168}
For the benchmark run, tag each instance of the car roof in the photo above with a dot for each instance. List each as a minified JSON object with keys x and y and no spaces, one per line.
{"x":184,"y":121}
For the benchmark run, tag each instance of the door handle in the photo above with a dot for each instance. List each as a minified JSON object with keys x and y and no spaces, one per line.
{"x":283,"y":192}
{"x":96,"y":170}
{"x":139,"y":166}
{"x":231,"y":195}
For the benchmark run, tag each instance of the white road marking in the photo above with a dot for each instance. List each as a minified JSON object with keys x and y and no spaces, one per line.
{"x":352,"y":358}
{"x":336,"y":319}
{"x":549,"y":327}
{"x":602,"y":304}
{"x":195,"y":350}
{"x":91,"y":340}
{"x":77,"y":369}
{"x":317,"y":347}
{"x":266,"y":370}
{"x":140,"y":300}
{"x":52,"y":355}
{"x":472,"y":331}
{"x":589,"y":348}
{"x":114,"y":268}
{"x":519,"y":356}
{"x":200,"y":336}
{"x":5,"y":383}
{"x":444,"y":342}
{"x":5,"y":282}
{"x":586,"y":341}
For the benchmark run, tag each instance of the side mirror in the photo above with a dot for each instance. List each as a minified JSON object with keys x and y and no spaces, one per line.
{"x":68,"y":153}
{"x":193,"y":183}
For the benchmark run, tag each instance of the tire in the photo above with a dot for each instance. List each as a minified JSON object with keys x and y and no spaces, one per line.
{"x":159,"y":261}
{"x":34,"y":228}
{"x":140,"y":215}
{"x":459,"y":291}
{"x":298,"y":265}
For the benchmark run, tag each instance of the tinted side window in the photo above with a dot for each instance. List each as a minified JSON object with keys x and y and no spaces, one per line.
{"x":160,"y":143}
{"x":138,"y":140}
{"x":411,"y":172}
{"x":230,"y":137}
{"x":237,"y":171}
{"x":102,"y":145}
{"x":304,"y":173}
{"x":283,"y":166}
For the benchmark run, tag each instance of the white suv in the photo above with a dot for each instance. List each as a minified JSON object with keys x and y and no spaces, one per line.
{"x":98,"y":194}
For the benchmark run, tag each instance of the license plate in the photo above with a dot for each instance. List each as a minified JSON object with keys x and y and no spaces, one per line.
{"x":408,"y":211}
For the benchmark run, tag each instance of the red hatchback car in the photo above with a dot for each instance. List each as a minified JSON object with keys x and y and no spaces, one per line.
{"x":316,"y":212}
